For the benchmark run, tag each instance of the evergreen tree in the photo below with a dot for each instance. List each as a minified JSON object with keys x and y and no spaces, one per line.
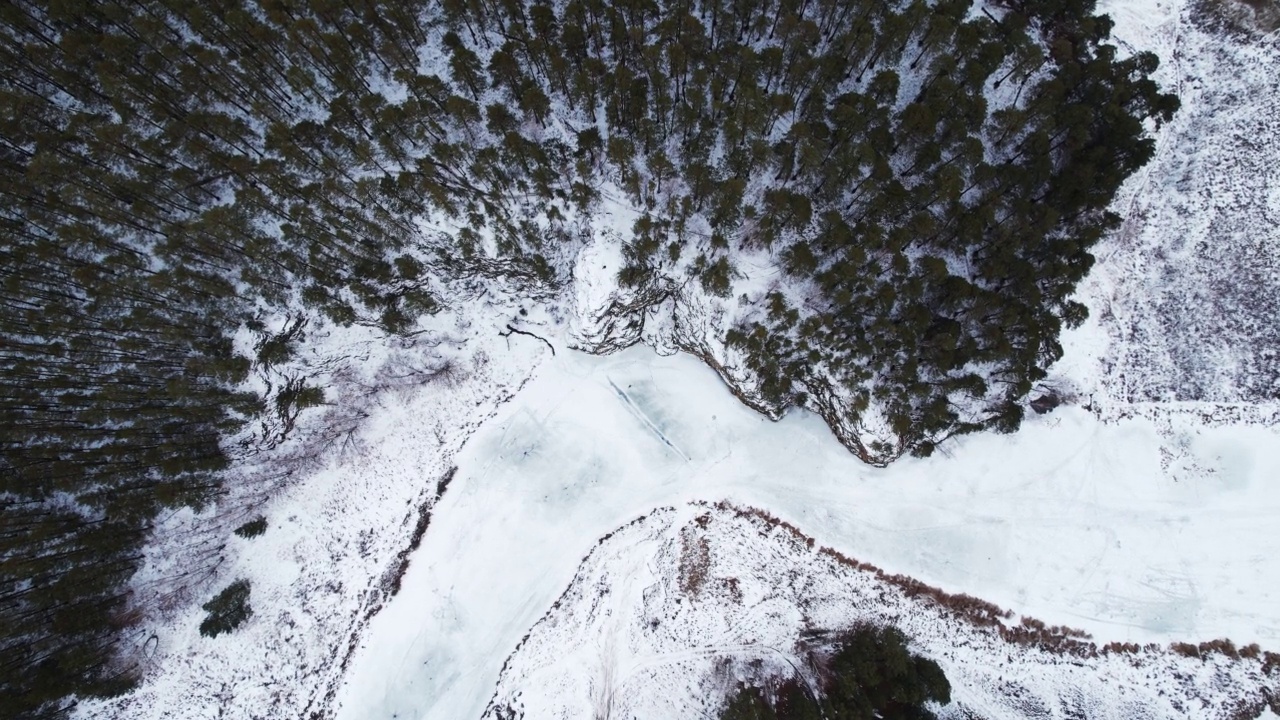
{"x":870,"y":674}
{"x":227,"y":610}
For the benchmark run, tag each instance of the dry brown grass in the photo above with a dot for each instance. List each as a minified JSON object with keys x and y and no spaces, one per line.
{"x":695,"y":561}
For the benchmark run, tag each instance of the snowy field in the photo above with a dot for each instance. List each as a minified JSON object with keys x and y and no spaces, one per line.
{"x":331,"y":552}
{"x":1188,"y":288}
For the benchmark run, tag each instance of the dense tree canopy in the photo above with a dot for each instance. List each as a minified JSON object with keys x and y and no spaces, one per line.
{"x":930,"y":175}
{"x":172,"y":171}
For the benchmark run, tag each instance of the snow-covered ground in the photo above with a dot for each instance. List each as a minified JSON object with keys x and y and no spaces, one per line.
{"x":668,"y":614}
{"x":329,"y":557}
{"x":1187,"y":290}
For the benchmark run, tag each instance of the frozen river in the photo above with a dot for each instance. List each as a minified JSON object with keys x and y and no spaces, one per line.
{"x":1070,"y":520}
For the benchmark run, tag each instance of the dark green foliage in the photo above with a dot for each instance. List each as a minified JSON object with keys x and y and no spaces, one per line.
{"x":790,"y":700}
{"x":62,"y":573}
{"x":871,"y":675}
{"x":716,"y":277}
{"x":874,"y":675}
{"x":164,"y":181}
{"x":942,"y":233}
{"x":227,"y":610}
{"x":253,"y":528}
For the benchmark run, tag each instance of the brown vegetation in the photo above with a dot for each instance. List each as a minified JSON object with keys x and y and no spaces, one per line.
{"x":1057,"y":639}
{"x":695,"y":561}
{"x":391,"y":581}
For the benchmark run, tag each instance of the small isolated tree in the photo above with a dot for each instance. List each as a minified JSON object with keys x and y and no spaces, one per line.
{"x":227,"y":610}
{"x":871,"y":674}
{"x":253,"y":528}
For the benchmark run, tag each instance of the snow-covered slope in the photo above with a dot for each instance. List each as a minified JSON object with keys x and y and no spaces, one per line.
{"x":674,"y":609}
{"x":336,"y":534}
{"x":1187,"y":290}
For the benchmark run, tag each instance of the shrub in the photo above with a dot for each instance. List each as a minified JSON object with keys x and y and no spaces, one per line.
{"x":227,"y":610}
{"x":870,"y":675}
{"x":790,"y":700}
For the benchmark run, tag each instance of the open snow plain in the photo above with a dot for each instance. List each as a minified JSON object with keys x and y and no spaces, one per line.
{"x":1072,"y":520}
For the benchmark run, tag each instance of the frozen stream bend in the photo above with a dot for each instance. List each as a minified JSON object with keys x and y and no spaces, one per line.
{"x":1071,"y":520}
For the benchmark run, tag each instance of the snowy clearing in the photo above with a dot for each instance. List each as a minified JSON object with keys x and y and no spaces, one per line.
{"x":329,"y":557}
{"x":692,"y":600}
{"x":1187,"y":289}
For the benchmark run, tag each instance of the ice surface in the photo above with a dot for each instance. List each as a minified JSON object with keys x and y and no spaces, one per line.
{"x":1073,"y":521}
